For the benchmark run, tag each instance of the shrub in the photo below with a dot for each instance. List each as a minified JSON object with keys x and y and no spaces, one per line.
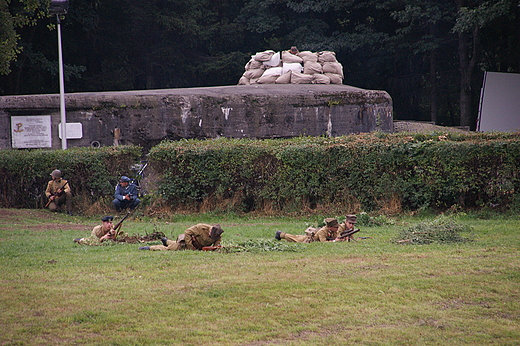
{"x":372,"y":172}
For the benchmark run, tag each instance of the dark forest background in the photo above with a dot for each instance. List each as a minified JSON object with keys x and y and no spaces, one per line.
{"x":429,"y":55}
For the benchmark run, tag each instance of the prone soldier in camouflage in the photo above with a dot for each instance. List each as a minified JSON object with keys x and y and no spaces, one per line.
{"x":58,"y":192}
{"x":329,"y":232}
{"x":100,"y":233}
{"x":194,"y":238}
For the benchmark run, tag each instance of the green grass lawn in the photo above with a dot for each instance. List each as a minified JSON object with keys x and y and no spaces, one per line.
{"x":369,"y":292}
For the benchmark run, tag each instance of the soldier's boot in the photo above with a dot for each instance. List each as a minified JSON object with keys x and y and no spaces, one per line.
{"x":164,"y":241}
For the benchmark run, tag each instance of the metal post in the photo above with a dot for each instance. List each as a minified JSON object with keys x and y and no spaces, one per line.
{"x":62,"y":90}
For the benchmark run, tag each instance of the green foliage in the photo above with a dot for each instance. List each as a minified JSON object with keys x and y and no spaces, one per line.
{"x":259,"y":245}
{"x":363,"y":219}
{"x":359,"y":172}
{"x":441,"y":230}
{"x":92,"y":172}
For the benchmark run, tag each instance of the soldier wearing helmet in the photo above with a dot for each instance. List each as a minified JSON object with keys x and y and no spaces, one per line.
{"x":59,"y":193}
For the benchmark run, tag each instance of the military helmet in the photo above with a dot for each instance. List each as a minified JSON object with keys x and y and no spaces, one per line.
{"x":56,"y":173}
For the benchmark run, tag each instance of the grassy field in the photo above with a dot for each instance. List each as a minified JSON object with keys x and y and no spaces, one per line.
{"x":369,"y":292}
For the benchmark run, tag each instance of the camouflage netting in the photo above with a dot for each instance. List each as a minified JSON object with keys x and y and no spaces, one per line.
{"x":292,"y":67}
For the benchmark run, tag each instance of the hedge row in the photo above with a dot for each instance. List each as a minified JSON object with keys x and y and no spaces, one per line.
{"x":371,"y":172}
{"x":365,"y":172}
{"x":93,"y":172}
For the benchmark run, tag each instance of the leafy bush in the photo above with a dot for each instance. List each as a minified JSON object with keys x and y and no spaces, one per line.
{"x":440,"y":230}
{"x":363,"y":219}
{"x":373,"y":172}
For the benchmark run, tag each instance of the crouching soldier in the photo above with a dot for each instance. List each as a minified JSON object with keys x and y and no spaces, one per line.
{"x":59,"y":193}
{"x":194,"y":238}
{"x":329,"y":232}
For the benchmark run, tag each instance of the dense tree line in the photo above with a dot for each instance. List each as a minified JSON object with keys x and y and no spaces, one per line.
{"x":429,"y":55}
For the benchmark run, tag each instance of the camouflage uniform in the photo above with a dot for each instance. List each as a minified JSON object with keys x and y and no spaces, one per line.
{"x":98,"y":232}
{"x":328,"y":232}
{"x":94,"y":239}
{"x":200,"y":233}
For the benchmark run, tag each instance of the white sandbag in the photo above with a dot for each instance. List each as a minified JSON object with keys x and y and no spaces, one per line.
{"x":312,"y":67}
{"x":334,"y":78}
{"x":256,"y":73}
{"x":253,"y":81}
{"x":253,"y":65}
{"x":243,"y":81}
{"x":292,"y":67}
{"x":271,"y":79}
{"x":273,"y":71}
{"x":308,"y":56}
{"x":320,"y":79}
{"x":300,"y":78}
{"x":291,"y":58}
{"x":264,"y":56}
{"x":274,"y":61}
{"x":285,"y":78}
{"x":333,"y":67}
{"x":327,"y":56}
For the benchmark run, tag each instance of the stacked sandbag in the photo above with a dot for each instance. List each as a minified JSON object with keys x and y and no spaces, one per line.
{"x":257,"y":65}
{"x":293,"y":67}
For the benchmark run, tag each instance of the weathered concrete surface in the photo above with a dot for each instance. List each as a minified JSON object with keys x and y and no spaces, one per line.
{"x":146,"y":117}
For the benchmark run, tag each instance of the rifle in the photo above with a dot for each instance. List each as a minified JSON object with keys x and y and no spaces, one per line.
{"x":348,"y":234}
{"x":57,"y":194}
{"x":211,"y":248}
{"x":118,"y":225}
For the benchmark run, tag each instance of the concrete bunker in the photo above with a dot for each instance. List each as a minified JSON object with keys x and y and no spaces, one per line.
{"x":146,"y":117}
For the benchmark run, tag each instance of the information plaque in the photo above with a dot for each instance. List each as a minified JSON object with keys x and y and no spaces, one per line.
{"x":31,"y":131}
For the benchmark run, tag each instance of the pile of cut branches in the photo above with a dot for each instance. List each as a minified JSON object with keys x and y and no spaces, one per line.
{"x":136,"y":238}
{"x":257,"y":246}
{"x":440,"y":230}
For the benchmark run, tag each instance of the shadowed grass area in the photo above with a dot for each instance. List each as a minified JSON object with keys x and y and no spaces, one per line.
{"x":369,"y":292}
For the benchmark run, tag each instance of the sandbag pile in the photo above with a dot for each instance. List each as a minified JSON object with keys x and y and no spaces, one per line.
{"x":292,"y":67}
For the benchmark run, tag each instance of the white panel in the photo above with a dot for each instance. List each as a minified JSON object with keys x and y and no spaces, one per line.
{"x":500,"y":103}
{"x":74,"y":130}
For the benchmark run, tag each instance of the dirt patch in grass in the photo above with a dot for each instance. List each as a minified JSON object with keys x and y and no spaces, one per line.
{"x":46,"y":220}
{"x":62,"y":226}
{"x":23,"y":213}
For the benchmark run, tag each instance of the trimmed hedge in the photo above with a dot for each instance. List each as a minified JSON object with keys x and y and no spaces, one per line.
{"x":92,"y":172}
{"x":371,"y":172}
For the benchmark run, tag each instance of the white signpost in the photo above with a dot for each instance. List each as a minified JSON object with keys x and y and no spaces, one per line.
{"x":33,"y":131}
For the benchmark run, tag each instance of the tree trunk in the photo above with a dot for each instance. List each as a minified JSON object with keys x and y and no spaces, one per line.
{"x":467,"y":66}
{"x":433,"y":78}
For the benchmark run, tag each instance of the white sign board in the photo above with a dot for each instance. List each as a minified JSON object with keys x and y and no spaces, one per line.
{"x":31,"y":131}
{"x":74,"y":130}
{"x":500,"y":102}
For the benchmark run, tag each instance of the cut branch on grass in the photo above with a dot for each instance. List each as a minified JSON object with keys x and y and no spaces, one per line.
{"x":440,"y":230}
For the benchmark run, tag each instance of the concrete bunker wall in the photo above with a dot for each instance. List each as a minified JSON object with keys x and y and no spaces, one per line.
{"x":261,"y":111}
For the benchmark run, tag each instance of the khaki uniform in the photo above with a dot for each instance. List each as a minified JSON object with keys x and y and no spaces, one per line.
{"x":97,"y":233}
{"x":342,"y":228}
{"x":199,"y":232}
{"x":312,"y":235}
{"x":52,"y":188}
